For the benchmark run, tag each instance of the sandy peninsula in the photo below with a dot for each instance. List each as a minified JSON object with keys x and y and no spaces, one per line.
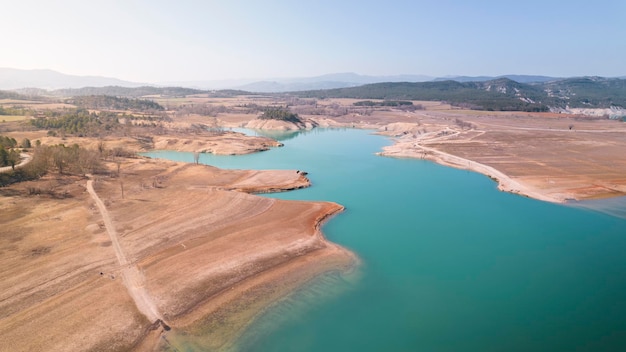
{"x":542,"y":156}
{"x":165,"y":249}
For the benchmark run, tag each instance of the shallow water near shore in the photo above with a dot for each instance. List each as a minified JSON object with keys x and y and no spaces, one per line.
{"x":612,"y":206}
{"x":449,"y":263}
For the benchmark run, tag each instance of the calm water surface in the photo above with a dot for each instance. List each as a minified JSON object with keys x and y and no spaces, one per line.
{"x":449,"y":262}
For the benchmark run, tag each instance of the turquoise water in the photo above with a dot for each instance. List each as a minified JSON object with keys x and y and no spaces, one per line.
{"x":449,"y":262}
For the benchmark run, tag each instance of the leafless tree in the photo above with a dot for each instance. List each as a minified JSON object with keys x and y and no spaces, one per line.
{"x":196,"y":157}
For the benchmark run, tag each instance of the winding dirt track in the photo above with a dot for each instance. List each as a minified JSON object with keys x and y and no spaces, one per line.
{"x":133,"y":279}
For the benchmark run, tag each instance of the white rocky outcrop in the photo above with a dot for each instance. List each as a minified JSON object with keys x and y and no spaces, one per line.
{"x":614,"y":112}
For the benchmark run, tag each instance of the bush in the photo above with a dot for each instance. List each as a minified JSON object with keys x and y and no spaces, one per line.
{"x":280,"y":114}
{"x":65,"y":160}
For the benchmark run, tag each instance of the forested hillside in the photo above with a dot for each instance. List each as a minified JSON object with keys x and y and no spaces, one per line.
{"x":587,"y":92}
{"x":499,"y":94}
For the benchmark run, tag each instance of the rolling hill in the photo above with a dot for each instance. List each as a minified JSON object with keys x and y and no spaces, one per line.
{"x":497,"y":94}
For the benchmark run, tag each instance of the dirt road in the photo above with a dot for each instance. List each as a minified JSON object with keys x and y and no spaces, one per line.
{"x":133,"y":278}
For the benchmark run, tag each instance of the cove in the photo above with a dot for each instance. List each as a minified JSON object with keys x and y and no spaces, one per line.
{"x":449,"y":263}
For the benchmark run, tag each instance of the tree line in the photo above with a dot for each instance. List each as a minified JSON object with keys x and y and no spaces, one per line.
{"x":281,"y":114}
{"x":383,"y":103}
{"x":79,"y":122}
{"x":126,"y":91}
{"x":60,"y":158}
{"x":108,"y":102}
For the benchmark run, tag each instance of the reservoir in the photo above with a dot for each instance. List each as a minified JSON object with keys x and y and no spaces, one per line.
{"x":449,"y":263}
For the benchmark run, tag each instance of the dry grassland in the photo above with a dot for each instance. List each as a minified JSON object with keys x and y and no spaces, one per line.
{"x":12,"y":118}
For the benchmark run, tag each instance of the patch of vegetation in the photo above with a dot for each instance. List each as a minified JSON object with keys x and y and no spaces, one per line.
{"x":383,"y":103}
{"x":9,"y":156}
{"x":398,"y":104}
{"x":65,"y":160}
{"x":280,"y":114}
{"x":230,"y":93}
{"x":126,"y":91}
{"x":7,"y":142}
{"x":108,"y":102}
{"x":15,"y":111}
{"x":79,"y":122}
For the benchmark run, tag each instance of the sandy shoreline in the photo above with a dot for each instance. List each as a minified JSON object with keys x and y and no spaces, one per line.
{"x":613,"y":206}
{"x":505,"y":183}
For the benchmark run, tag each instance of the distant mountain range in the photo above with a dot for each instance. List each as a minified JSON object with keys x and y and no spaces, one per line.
{"x":336,"y":80}
{"x":339,"y":80}
{"x":11,"y":79}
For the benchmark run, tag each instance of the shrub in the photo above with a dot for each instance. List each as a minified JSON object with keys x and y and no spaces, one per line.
{"x":280,"y":114}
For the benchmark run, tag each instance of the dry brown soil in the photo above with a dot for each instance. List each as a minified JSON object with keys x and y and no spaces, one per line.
{"x":202,"y":251}
{"x":532,"y":154}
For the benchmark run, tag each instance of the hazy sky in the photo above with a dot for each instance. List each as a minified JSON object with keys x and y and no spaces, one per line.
{"x":151,"y":41}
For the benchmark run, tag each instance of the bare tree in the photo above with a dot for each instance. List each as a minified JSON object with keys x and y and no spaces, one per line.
{"x":101,"y":148}
{"x":13,"y":158}
{"x":196,"y":157}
